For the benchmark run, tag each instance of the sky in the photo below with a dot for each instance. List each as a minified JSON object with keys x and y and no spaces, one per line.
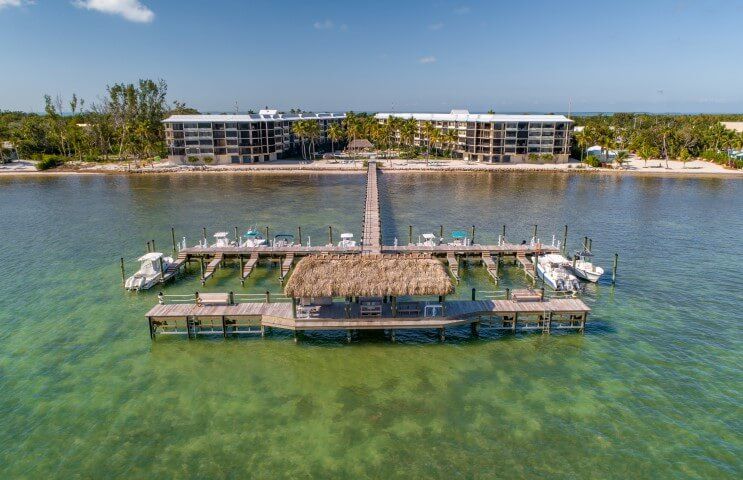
{"x":402,"y":55}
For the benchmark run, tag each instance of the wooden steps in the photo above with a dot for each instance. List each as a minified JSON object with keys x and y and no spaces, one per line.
{"x":212,"y":267}
{"x":490,"y":265}
{"x":177,"y":263}
{"x":453,"y":264}
{"x":527,"y":264}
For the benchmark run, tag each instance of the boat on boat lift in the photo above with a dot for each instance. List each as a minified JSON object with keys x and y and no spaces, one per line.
{"x":253,"y":238}
{"x":149,"y":271}
{"x":459,"y":238}
{"x":555,"y":270}
{"x":221,"y":239}
{"x":583,"y":268}
{"x":282,"y":240}
{"x":429,"y":240}
{"x":347,"y":240}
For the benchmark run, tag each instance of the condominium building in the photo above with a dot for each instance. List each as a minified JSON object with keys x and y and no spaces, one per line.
{"x":496,"y":137}
{"x":223,"y":139}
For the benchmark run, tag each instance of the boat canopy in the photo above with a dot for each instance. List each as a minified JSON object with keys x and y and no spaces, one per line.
{"x":283,"y":236}
{"x":252,"y":234}
{"x":458,"y":234}
{"x":346,"y":235}
{"x":152,"y":256}
{"x":221,"y":235}
{"x":429,"y":236}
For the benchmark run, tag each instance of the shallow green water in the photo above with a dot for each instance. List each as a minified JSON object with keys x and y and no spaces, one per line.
{"x":652,"y":390}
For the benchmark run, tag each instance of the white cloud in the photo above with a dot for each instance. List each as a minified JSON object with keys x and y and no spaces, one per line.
{"x":13,"y":3}
{"x":436,"y":26}
{"x":131,"y":10}
{"x":463,"y":10}
{"x":427,"y":59}
{"x":343,"y":27}
{"x":324,"y":25}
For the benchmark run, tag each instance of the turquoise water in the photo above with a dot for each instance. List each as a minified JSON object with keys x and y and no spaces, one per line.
{"x":652,"y":390}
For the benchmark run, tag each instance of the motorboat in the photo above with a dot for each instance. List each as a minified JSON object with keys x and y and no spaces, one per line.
{"x":347,"y":240}
{"x":221,"y":239}
{"x":149,"y":272}
{"x":583,"y":268}
{"x":282,"y":240}
{"x":253,"y":238}
{"x":429,"y":240}
{"x":555,"y":270}
{"x":459,"y":238}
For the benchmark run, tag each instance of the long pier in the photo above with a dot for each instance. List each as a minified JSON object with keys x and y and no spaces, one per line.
{"x":371,"y":239}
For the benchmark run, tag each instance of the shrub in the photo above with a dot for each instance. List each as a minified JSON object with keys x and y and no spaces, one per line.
{"x":208,"y":160}
{"x":592,"y":161}
{"x":49,"y":161}
{"x":193,"y":159}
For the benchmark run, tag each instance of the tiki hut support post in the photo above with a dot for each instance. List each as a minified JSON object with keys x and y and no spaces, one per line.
{"x":503,"y":234}
{"x":348,"y":335}
{"x":515,"y":320}
{"x":392,"y":335}
{"x":296,"y":338}
{"x":394,"y":306}
{"x":442,"y":334}
{"x":294,"y":307}
{"x":475,"y":328}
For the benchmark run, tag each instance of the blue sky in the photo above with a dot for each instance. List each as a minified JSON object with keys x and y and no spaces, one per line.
{"x":512,"y":56}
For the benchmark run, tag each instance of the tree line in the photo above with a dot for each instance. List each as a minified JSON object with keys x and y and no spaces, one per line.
{"x":675,"y":137}
{"x":123,"y":124}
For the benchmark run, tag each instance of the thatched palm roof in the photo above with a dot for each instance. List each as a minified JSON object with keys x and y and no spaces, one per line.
{"x":367,"y":276}
{"x":360,"y":144}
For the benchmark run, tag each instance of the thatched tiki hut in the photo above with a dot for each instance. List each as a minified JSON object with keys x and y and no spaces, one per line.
{"x":393,"y":276}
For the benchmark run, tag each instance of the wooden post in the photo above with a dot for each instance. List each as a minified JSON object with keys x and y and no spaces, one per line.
{"x":153,"y":245}
{"x":123,"y":272}
{"x":201,"y":264}
{"x":590,"y":244}
{"x":508,"y":293}
{"x":237,"y":237}
{"x":268,"y":240}
{"x":442,"y":334}
{"x":224,"y":326}
{"x":268,"y":296}
{"x":394,"y":306}
{"x":583,"y":319}
{"x":410,"y":234}
{"x":472,"y":240}
{"x":542,"y":293}
{"x":585,"y":243}
{"x":392,"y":335}
{"x":162,"y":270}
{"x":172,"y":236}
{"x":473,"y":293}
{"x":299,"y":234}
{"x":294,"y":307}
{"x":441,"y":231}
{"x":535,"y":233}
{"x":148,"y":247}
{"x":503,"y":233}
{"x":515,"y":321}
{"x":474,"y":328}
{"x":549,"y":322}
{"x":614,"y":269}
{"x":231,"y":297}
{"x":203,"y":234}
{"x":565,"y":240}
{"x":330,"y":234}
{"x":149,"y":322}
{"x":242,"y":269}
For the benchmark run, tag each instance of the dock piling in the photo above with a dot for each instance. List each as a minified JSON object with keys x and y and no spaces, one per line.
{"x":268,"y":240}
{"x":123,"y":272}
{"x":203,"y":235}
{"x":441,"y":231}
{"x":153,"y":245}
{"x":535,"y":233}
{"x":410,"y":234}
{"x":503,"y":233}
{"x":237,"y":237}
{"x":330,"y":234}
{"x":299,"y":234}
{"x":268,"y":296}
{"x":474,"y":292}
{"x":565,"y":240}
{"x":162,"y":271}
{"x":590,"y":244}
{"x":472,"y":241}
{"x":614,"y":269}
{"x":172,"y":236}
{"x":148,"y":247}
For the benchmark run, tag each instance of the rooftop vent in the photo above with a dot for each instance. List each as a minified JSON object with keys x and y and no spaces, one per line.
{"x":268,"y":112}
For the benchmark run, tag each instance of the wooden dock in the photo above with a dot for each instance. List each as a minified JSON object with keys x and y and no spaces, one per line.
{"x":286,"y":265}
{"x":218,"y":316}
{"x":248,"y":266}
{"x":211,"y":268}
{"x":527,"y":264}
{"x":371,"y":239}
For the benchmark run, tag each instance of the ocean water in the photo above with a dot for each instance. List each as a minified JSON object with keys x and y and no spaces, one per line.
{"x":652,"y":390}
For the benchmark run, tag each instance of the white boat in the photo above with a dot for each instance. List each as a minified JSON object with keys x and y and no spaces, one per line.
{"x":429,"y":240}
{"x":583,"y":268}
{"x":347,"y":240}
{"x":221,"y":239}
{"x":253,"y":238}
{"x":459,"y":239}
{"x":283,"y":240}
{"x":149,"y":271}
{"x":554,"y":269}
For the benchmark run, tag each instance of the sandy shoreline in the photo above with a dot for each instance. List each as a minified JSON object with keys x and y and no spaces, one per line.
{"x":634,"y":167}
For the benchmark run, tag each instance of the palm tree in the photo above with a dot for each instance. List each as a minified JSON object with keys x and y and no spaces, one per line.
{"x":407,"y":131}
{"x":646,"y":152}
{"x":621,"y":157}
{"x":451,"y":138}
{"x":429,"y":131}
{"x":313,"y":133}
{"x":299,"y":129}
{"x":335,"y":134}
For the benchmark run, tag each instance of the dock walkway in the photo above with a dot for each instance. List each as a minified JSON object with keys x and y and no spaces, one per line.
{"x":371,"y":239}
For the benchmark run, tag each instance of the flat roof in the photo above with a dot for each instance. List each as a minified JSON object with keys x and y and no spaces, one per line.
{"x":466,"y":116}
{"x":253,"y":117}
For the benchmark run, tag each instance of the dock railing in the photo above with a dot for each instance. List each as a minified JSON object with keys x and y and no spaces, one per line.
{"x":232,"y":298}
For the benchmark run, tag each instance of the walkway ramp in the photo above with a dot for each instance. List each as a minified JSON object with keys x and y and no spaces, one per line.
{"x":490,"y":265}
{"x":177,"y":264}
{"x":212,"y":267}
{"x":249,"y":266}
{"x":286,"y":265}
{"x":527,"y":264}
{"x":453,"y":264}
{"x":371,"y":239}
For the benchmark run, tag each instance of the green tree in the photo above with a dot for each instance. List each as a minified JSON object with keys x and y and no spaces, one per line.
{"x":335,"y":134}
{"x":622,"y":156}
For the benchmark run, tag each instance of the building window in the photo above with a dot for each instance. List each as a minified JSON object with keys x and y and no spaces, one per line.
{"x":235,"y":159}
